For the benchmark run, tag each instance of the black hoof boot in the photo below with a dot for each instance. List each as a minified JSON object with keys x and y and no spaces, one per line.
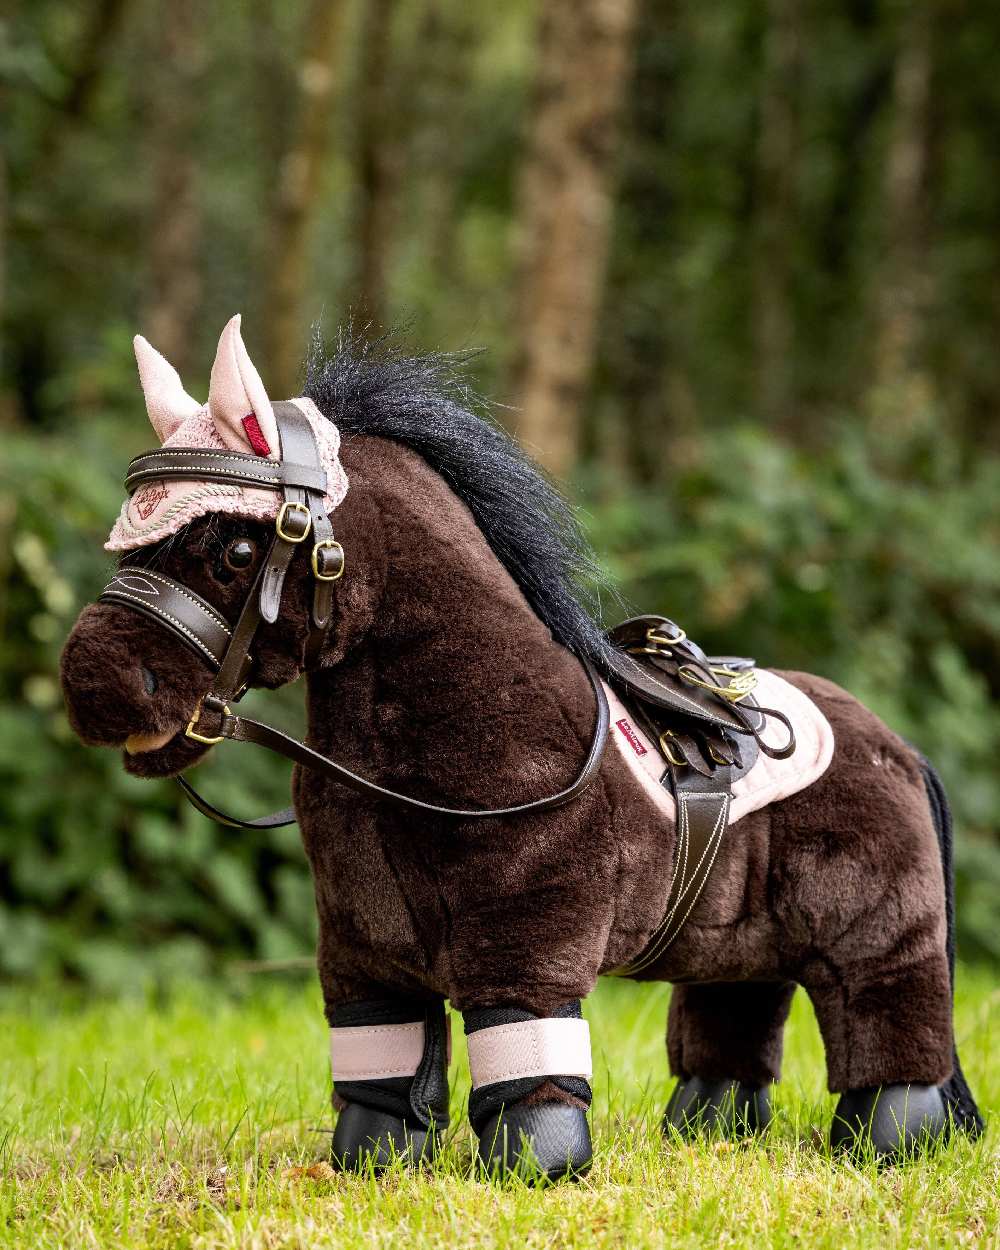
{"x":365,"y":1138}
{"x":544,"y":1141}
{"x":889,"y":1121}
{"x":728,"y":1108}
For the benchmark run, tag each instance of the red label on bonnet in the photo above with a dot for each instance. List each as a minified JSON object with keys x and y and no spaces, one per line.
{"x":255,"y":435}
{"x":631,"y":736}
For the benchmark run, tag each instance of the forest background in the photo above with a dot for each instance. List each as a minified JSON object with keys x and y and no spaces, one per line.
{"x":735,"y":271}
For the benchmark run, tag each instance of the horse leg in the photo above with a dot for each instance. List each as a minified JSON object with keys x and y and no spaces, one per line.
{"x":724,"y":1041}
{"x":888,"y":1039}
{"x":530,"y":1091}
{"x":389,"y":1057}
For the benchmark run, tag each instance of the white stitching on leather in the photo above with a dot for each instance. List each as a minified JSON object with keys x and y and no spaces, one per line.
{"x":192,"y":451}
{"x":206,"y":609}
{"x":200,"y":469}
{"x":666,"y":938}
{"x":714,"y":842}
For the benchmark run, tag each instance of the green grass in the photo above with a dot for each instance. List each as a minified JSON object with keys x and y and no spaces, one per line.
{"x":175,"y":1124}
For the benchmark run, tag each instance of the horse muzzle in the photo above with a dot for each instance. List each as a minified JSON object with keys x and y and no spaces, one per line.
{"x":127,"y":683}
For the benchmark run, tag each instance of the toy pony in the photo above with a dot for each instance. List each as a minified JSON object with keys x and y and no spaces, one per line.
{"x":500,"y":801}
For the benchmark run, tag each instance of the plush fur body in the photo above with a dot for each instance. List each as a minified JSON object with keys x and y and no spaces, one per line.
{"x":838,"y":888}
{"x":439,"y":679}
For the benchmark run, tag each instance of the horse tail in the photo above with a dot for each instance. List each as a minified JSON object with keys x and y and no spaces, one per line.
{"x":957,"y":1095}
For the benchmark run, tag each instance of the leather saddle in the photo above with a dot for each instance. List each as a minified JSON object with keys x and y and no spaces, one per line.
{"x":709,"y":728}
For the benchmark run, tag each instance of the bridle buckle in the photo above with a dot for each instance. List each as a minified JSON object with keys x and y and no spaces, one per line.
{"x":327,"y":544}
{"x":193,"y":734}
{"x":299,"y":509}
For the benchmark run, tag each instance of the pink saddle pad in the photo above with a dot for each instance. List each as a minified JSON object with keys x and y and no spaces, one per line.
{"x":769,"y":780}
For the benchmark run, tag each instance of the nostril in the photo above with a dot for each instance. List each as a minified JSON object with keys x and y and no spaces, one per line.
{"x":149,"y":680}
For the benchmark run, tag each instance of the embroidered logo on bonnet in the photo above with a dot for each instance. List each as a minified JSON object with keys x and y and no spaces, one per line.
{"x":237,"y":417}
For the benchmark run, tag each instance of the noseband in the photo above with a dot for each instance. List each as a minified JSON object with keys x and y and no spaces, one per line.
{"x":301,"y":479}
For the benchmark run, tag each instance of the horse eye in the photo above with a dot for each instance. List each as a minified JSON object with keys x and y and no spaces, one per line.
{"x":240,"y":554}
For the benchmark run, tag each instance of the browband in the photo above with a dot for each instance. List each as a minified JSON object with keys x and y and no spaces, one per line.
{"x":302,"y":514}
{"x":221,"y":466}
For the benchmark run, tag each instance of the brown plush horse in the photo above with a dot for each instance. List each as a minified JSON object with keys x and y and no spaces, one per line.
{"x":451,"y":668}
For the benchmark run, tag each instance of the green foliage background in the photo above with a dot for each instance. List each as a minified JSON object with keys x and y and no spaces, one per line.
{"x":857,"y":538}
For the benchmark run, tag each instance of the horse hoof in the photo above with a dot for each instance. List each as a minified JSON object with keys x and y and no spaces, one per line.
{"x":545,"y":1141}
{"x":730,"y":1108}
{"x":365,"y":1138}
{"x":888,"y":1121}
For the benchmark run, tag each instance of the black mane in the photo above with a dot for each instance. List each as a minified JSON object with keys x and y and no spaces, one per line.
{"x":371,"y":387}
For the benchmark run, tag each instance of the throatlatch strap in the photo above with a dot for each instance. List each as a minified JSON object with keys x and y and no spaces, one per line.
{"x":529,"y":1048}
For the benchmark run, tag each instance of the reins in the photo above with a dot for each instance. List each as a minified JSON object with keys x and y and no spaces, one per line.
{"x":301,"y":479}
{"x":696,"y":708}
{"x":244,"y":729}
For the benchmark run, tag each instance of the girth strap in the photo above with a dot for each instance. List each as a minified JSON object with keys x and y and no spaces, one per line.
{"x":703,"y":753}
{"x":702,"y":820}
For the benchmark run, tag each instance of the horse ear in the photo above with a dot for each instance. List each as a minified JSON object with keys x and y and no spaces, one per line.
{"x":167,"y":402}
{"x":237,"y":399}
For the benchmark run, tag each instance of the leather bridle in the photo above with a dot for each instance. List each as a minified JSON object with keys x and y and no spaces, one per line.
{"x":300,"y":478}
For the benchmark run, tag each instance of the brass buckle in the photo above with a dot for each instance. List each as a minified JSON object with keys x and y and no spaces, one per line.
{"x":292,"y":506}
{"x":328,"y":544}
{"x":660,"y":639}
{"x":665,"y":748}
{"x":739,"y":687}
{"x":191,"y":732}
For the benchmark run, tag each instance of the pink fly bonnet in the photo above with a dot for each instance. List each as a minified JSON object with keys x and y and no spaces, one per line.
{"x":237,"y":417}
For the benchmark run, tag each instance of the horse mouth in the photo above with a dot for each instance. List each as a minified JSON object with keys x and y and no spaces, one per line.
{"x":161,"y":753}
{"x":144,"y":743}
{"x":139,"y":744}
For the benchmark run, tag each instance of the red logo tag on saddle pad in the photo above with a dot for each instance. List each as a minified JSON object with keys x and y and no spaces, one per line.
{"x":631,"y":737}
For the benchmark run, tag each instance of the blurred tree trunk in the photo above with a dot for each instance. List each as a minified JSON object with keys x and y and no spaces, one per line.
{"x":641,"y":352}
{"x":4,"y":400}
{"x":841,"y":266}
{"x":274,"y":86}
{"x":564,"y":216}
{"x":96,"y":43}
{"x":377,"y":159}
{"x":175,"y":234}
{"x":443,"y":65}
{"x":777,"y":146}
{"x":903,"y":282}
{"x":297,"y":197}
